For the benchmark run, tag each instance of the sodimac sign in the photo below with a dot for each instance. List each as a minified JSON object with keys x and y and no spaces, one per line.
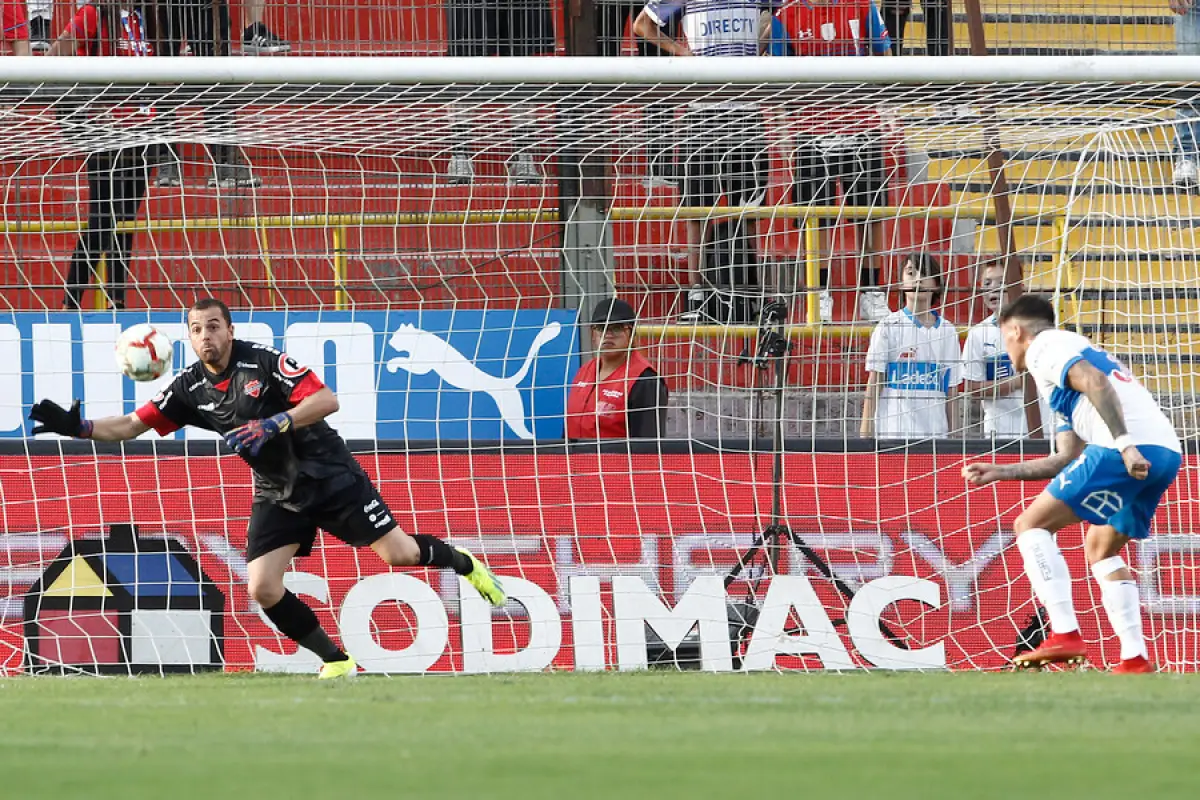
{"x":601,"y":553}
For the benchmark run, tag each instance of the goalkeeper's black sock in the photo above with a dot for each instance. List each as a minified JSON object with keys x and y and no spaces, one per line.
{"x":297,"y":621}
{"x":436,"y":553}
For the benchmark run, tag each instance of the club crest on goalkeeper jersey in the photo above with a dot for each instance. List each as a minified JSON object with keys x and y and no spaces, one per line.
{"x":259,"y":382}
{"x":917,"y":367}
{"x":1052,"y":355}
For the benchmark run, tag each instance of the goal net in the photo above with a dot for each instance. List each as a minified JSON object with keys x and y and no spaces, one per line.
{"x":432,"y":236}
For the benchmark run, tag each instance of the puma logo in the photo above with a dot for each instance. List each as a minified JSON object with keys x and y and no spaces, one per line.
{"x":428,"y":352}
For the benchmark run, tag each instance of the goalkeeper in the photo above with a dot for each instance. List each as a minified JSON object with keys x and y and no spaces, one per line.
{"x":272,"y":412}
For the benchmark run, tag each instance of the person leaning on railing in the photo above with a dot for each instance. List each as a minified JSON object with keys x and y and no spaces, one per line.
{"x":839,"y":145}
{"x":501,"y":28}
{"x":724,"y":141}
{"x":618,"y":394}
{"x":658,"y":132}
{"x":117,"y":179}
{"x":202,"y":28}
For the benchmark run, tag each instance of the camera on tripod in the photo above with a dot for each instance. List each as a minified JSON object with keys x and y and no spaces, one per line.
{"x":773,"y":342}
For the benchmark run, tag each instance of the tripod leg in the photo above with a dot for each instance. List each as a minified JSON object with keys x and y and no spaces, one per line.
{"x":745,"y":558}
{"x":844,"y":588}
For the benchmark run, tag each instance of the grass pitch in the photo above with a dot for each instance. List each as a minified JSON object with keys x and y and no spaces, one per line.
{"x":659,"y":735}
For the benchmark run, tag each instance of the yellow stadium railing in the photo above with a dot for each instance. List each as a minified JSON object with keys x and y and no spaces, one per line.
{"x":810,"y":218}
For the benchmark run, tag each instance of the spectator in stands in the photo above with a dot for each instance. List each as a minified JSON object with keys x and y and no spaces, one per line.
{"x":1187,"y":132}
{"x":612,"y":17}
{"x":15,"y":38}
{"x":939,"y":24}
{"x":725,"y":149}
{"x":192,"y":22}
{"x":616,"y":395}
{"x":117,"y":179}
{"x":41,"y":13}
{"x":257,"y":38}
{"x":914,"y":364}
{"x":842,"y":143}
{"x":988,"y":373}
{"x":498,"y":28}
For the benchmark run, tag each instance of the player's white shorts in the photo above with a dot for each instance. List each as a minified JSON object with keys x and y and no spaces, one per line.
{"x":1099,"y":490}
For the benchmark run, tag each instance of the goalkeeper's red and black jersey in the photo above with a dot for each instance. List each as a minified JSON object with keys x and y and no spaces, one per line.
{"x":259,"y":382}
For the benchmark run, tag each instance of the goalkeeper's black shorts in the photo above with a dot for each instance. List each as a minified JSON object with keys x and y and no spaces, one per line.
{"x":356,"y":514}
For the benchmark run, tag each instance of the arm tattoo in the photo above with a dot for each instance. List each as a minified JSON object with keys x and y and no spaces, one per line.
{"x":1095,"y":386}
{"x":1104,"y":399}
{"x":1037,"y":470}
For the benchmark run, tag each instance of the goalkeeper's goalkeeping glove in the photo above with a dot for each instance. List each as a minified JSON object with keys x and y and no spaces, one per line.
{"x":253,"y":435}
{"x":56,"y":419}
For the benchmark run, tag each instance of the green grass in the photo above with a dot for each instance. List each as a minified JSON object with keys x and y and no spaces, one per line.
{"x":660,"y":735}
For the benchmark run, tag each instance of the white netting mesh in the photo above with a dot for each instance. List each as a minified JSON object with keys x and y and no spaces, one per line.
{"x":340,"y":227}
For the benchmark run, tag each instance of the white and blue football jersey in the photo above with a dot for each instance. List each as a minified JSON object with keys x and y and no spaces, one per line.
{"x":1049,"y":358}
{"x":714,"y":27}
{"x":918,"y":366}
{"x":984,"y":359}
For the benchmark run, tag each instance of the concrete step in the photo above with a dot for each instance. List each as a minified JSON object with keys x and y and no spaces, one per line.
{"x":1120,"y":274}
{"x":1082,"y":240}
{"x":1139,"y":170}
{"x":1120,"y":205}
{"x":1154,"y":34}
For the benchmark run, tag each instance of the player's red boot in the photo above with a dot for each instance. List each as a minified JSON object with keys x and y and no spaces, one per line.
{"x":1058,"y":648}
{"x":1134,"y":666}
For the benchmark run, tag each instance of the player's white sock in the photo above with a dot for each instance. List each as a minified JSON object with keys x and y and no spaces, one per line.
{"x":1047,"y":571}
{"x":1120,"y":599}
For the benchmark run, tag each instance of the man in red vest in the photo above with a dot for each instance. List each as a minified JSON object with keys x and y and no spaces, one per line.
{"x":616,"y":395}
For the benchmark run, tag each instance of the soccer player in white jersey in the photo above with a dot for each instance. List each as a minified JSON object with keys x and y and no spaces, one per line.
{"x":988,"y":372}
{"x":914,"y":364}
{"x":1117,"y":454}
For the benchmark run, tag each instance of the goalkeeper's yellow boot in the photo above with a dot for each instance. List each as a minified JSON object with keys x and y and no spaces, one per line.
{"x":486,"y":583}
{"x":338,"y":669}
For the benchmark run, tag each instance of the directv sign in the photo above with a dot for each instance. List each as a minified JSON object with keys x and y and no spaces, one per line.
{"x":398,"y":375}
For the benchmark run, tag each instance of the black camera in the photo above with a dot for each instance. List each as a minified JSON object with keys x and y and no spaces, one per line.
{"x":773,"y":342}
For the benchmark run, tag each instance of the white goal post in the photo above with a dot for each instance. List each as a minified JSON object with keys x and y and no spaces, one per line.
{"x":319,"y":197}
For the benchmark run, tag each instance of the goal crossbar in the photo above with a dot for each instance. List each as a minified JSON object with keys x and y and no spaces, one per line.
{"x":605,"y":71}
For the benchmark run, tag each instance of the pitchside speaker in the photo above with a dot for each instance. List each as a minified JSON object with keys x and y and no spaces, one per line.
{"x":730,"y":274}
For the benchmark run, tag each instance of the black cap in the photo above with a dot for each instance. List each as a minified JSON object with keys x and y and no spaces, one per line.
{"x":613,"y":312}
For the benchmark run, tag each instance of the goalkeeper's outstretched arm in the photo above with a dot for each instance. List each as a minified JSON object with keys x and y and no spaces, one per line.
{"x":53,"y":418}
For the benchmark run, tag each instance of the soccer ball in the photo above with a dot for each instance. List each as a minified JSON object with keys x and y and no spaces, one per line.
{"x":144,"y":352}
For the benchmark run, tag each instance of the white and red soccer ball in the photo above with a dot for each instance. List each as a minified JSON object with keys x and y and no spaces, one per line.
{"x":144,"y":353}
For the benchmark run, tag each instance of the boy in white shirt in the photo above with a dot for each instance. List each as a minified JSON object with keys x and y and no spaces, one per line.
{"x":914,"y":363}
{"x":988,"y":372}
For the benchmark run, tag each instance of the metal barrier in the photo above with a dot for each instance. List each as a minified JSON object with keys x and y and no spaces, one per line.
{"x":809,"y":218}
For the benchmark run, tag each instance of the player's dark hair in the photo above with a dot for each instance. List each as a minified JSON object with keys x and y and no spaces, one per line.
{"x":205,"y":303}
{"x":1029,"y":308}
{"x":927,"y":266}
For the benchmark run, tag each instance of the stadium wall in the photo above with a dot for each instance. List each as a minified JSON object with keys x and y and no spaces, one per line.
{"x":577,"y":529}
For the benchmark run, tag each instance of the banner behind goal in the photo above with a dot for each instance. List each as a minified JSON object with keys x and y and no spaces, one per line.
{"x":432,"y":235}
